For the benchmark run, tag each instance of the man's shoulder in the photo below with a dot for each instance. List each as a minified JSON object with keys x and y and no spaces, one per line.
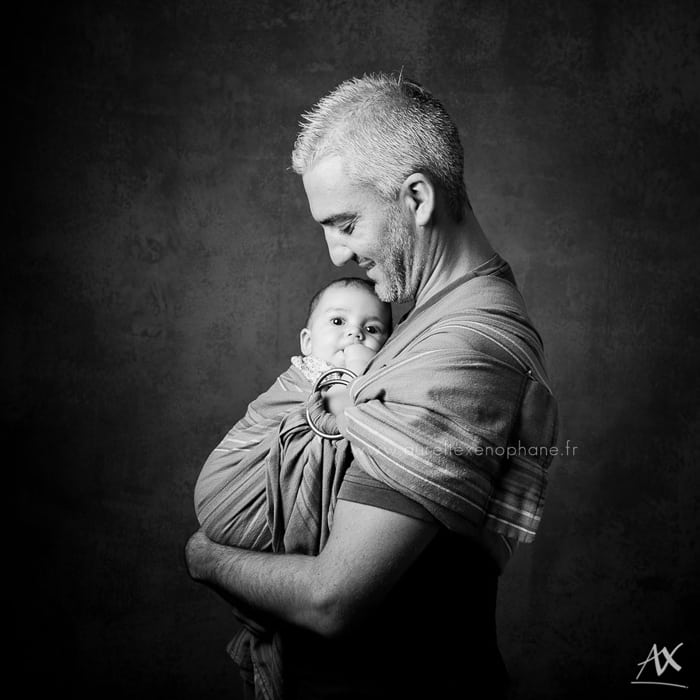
{"x":481,"y":304}
{"x":484,"y":318}
{"x":486,"y":294}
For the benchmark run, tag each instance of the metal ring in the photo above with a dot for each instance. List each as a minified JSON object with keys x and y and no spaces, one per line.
{"x":321,"y":384}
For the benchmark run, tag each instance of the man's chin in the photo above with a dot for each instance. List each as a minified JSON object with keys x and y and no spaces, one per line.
{"x":383,"y":290}
{"x":391,"y":293}
{"x":383,"y":294}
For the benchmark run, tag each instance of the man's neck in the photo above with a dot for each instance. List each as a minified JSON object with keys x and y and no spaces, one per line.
{"x":451,"y":250}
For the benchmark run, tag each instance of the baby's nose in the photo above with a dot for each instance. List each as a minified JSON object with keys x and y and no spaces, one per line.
{"x":355,"y":332}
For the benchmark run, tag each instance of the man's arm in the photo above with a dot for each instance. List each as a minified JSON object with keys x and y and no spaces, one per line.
{"x":368,"y":551}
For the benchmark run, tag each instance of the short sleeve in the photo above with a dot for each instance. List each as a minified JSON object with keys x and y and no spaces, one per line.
{"x":360,"y":487}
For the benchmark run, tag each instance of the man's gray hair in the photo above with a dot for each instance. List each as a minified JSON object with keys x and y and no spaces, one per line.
{"x":386,"y":128}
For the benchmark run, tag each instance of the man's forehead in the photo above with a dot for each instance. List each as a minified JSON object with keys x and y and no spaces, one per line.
{"x":329,"y":190}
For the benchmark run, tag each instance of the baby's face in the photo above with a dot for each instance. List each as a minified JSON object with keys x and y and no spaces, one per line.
{"x":345,"y":316}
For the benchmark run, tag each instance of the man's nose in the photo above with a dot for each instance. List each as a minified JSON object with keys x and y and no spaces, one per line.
{"x":339,"y":253}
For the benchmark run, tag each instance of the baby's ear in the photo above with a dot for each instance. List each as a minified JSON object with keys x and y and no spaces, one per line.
{"x":305,"y":341}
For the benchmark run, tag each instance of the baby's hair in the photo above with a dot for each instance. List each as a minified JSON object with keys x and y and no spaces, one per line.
{"x":358,"y":282}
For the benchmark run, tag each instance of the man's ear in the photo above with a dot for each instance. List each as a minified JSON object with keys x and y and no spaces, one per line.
{"x":418,"y":194}
{"x":305,"y":341}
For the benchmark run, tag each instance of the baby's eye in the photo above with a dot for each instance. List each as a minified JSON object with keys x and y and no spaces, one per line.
{"x":337,"y":321}
{"x":373,"y":329}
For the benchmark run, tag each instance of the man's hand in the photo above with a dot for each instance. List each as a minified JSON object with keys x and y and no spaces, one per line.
{"x":197,"y":556}
{"x":199,"y":561}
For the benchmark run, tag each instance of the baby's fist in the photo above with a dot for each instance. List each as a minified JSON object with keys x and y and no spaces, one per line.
{"x":357,"y":357}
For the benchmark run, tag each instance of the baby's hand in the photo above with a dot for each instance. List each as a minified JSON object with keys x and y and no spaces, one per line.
{"x":357,"y":357}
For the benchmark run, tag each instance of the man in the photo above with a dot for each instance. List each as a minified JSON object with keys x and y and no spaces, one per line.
{"x":451,"y":427}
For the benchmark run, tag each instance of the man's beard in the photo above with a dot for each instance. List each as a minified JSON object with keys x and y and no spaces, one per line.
{"x":397,"y":251}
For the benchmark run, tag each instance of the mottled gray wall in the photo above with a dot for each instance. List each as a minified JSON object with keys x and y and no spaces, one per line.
{"x":160,"y":255}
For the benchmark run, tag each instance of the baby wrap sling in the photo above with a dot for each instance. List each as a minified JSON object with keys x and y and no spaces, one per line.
{"x":459,"y":381}
{"x":271,"y":485}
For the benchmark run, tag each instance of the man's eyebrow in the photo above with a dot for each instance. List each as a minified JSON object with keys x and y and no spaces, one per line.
{"x":337,"y":218}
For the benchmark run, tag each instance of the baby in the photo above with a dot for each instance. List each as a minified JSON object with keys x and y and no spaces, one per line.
{"x":243,"y":480}
{"x":347,"y":324}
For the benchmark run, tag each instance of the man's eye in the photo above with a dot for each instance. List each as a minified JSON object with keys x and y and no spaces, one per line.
{"x":347,"y":229}
{"x":336,"y":321}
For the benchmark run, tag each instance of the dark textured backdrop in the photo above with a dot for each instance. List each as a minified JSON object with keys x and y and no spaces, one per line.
{"x":159,"y":254}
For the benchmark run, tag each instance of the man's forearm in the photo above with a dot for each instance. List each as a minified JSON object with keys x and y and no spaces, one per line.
{"x":284,"y":586}
{"x":367,"y":552}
